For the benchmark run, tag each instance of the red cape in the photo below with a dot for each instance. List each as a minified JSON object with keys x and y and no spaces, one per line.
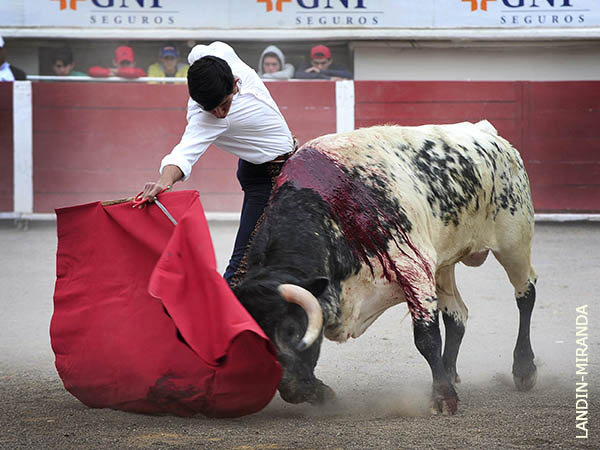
{"x":143,"y":321}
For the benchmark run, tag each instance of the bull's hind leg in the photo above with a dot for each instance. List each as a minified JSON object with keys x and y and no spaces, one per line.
{"x":454,"y":313}
{"x":524,"y":370}
{"x":516,"y":262}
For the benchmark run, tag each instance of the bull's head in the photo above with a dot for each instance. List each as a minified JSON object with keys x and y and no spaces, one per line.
{"x":291,"y":315}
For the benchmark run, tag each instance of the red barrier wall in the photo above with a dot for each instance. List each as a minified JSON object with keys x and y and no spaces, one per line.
{"x":103,"y":141}
{"x":100,"y":141}
{"x":419,"y":103}
{"x":6,"y":147}
{"x":562,"y":144}
{"x":555,"y":126}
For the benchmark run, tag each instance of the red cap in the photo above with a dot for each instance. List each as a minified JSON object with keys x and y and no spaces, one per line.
{"x":320,"y":51}
{"x":124,"y":53}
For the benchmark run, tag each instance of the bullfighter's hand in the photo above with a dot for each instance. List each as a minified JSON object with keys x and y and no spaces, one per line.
{"x":151,"y":190}
{"x":168,"y":177}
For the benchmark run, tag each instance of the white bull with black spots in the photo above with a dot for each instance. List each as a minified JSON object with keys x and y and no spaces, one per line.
{"x":364,"y":220}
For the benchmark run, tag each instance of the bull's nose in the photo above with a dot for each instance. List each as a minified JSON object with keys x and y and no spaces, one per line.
{"x":292,"y":397}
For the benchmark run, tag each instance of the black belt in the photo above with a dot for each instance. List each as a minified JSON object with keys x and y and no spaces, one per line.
{"x":282,"y":158}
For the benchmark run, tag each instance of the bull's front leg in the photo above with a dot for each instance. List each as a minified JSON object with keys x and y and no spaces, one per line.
{"x":455,"y":330}
{"x":428,"y":340}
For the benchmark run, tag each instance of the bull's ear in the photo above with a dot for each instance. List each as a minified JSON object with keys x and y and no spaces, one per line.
{"x":317,"y":285}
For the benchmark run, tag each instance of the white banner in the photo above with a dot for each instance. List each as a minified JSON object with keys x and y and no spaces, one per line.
{"x":301,"y":14}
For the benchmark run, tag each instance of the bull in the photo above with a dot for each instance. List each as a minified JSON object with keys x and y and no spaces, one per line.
{"x":364,"y":220}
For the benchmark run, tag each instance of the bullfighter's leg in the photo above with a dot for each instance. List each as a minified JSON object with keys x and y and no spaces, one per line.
{"x":256,"y":183}
{"x":429,"y":342}
{"x":455,"y":314}
{"x":516,"y":263}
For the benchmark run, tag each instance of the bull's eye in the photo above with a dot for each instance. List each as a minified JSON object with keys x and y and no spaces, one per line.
{"x":289,"y":331}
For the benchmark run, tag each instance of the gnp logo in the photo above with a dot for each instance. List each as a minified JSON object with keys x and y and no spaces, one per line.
{"x":71,"y":4}
{"x":483,"y":4}
{"x":124,"y":13}
{"x":312,"y":4}
{"x":535,"y":12}
{"x":278,"y":4}
{"x":327,"y":13}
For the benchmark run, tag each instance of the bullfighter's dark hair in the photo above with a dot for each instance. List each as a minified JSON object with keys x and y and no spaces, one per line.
{"x":210,"y":80}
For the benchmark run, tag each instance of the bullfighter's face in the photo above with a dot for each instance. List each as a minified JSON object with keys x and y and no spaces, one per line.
{"x":221,"y":111}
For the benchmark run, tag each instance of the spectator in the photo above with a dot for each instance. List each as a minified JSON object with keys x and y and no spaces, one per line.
{"x":168,"y":65}
{"x":62,"y":63}
{"x":272,"y":65}
{"x":123,"y":66}
{"x":321,"y":66}
{"x":8,"y":72}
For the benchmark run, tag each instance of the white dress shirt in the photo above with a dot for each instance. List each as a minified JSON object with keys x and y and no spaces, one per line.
{"x":5,"y":73}
{"x":254,"y":129}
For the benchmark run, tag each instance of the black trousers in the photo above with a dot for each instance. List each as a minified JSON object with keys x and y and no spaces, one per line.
{"x":256,"y":181}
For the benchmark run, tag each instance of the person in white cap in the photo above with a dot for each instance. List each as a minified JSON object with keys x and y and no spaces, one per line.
{"x":272,"y":65}
{"x":8,"y":72}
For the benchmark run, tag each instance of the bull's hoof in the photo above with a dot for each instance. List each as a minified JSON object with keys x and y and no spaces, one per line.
{"x":444,"y":406}
{"x":526,"y":382}
{"x":444,"y":399}
{"x":524,"y":375}
{"x":324,"y":396}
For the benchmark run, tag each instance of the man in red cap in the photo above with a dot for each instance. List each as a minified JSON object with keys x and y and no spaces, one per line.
{"x":321,"y":67}
{"x":123,"y":66}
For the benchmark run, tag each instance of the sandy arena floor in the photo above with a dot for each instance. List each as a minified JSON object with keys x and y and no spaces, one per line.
{"x":381,"y":380}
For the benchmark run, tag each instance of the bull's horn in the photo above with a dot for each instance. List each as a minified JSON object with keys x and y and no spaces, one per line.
{"x":309,"y":303}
